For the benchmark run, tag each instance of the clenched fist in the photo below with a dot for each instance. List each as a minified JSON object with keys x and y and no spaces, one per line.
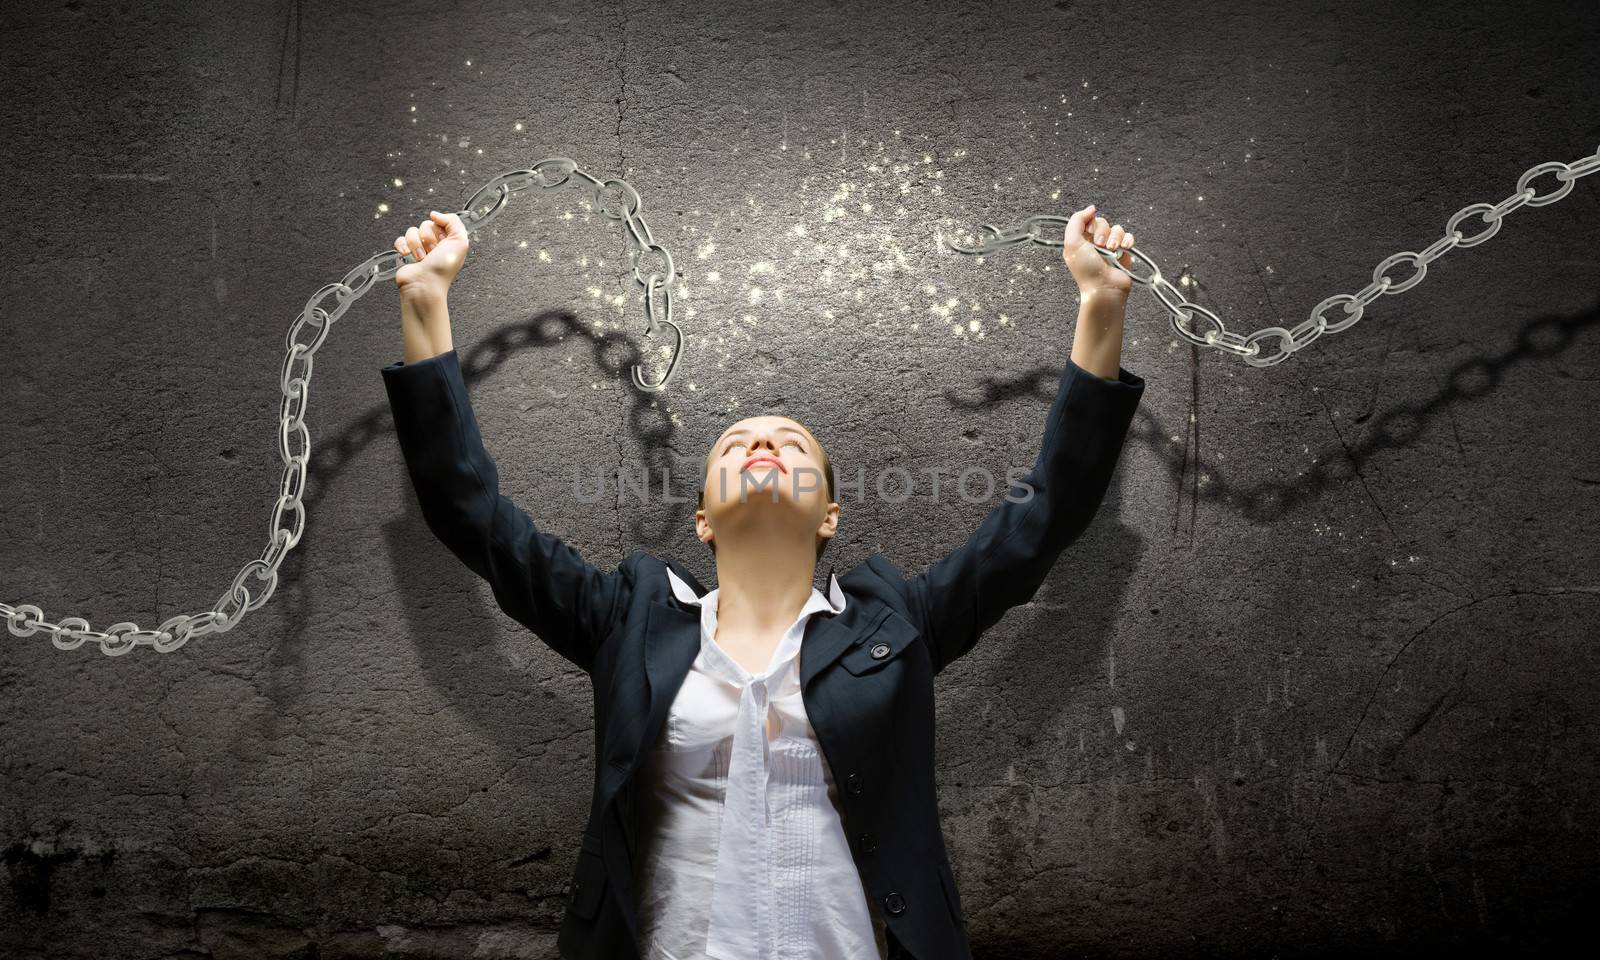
{"x":438,"y":247}
{"x":1093,"y":272}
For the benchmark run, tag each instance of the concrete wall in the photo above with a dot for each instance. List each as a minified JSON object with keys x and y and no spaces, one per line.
{"x":1320,"y":677}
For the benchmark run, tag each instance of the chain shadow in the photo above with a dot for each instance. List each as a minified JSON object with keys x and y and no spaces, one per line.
{"x":1398,"y":426}
{"x":467,"y":666}
{"x":457,"y":663}
{"x":481,"y":683}
{"x":614,"y":355}
{"x":1031,"y":649}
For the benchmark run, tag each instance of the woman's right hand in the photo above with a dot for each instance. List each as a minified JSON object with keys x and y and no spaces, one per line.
{"x":1094,"y":273}
{"x":439,"y":247}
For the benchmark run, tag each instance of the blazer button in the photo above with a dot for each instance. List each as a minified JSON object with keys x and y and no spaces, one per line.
{"x":867,"y":843}
{"x":880,"y":650}
{"x":852,"y":783}
{"x":894,"y":903}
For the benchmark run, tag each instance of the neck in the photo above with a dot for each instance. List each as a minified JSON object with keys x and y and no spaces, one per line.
{"x":762,"y":584}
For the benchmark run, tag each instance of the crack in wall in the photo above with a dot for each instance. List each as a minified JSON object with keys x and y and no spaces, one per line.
{"x":1333,"y":769}
{"x":1355,"y":463}
{"x":622,"y":172}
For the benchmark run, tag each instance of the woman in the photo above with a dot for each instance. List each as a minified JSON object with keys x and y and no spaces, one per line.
{"x":764,"y":751}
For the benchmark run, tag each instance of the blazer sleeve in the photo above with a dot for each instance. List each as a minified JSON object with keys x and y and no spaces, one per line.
{"x":1003,"y":563}
{"x":537,"y":578}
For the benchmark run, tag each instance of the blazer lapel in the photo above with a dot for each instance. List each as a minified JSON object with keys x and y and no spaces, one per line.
{"x":684,"y":575}
{"x":672,"y":641}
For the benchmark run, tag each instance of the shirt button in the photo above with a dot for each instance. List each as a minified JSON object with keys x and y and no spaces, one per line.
{"x":852,"y":783}
{"x":894,"y":903}
{"x":880,"y":650}
{"x":867,"y":843}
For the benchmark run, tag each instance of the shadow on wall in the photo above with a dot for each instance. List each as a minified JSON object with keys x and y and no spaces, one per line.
{"x":482,"y":684}
{"x":458,"y":663}
{"x":1054,"y":646}
{"x":468,"y":668}
{"x":1397,"y":426}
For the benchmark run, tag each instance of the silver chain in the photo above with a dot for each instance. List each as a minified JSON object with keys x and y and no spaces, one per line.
{"x":1249,"y":347}
{"x":24,"y":620}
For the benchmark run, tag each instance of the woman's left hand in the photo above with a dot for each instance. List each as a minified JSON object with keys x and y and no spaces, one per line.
{"x":1094,"y":273}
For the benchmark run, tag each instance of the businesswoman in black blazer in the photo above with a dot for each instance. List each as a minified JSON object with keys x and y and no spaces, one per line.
{"x":763,"y":751}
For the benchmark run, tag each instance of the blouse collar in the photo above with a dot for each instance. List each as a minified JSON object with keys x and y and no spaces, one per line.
{"x":833,"y":601}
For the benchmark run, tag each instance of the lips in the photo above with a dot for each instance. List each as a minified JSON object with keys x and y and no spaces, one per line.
{"x":755,"y":460}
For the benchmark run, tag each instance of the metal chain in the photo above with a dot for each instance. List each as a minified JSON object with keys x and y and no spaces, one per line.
{"x":24,"y":620}
{"x":1249,"y":347}
{"x":502,"y":187}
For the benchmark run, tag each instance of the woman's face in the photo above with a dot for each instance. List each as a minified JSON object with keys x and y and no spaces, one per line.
{"x":766,"y":461}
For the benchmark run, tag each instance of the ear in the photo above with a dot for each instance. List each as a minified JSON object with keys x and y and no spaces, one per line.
{"x":830,"y":522}
{"x":702,"y":529}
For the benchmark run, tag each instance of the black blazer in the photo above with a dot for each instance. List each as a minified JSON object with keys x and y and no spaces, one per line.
{"x":866,"y":674}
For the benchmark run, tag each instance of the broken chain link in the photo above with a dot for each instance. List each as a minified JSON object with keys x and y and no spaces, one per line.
{"x":1249,"y":347}
{"x":24,"y":620}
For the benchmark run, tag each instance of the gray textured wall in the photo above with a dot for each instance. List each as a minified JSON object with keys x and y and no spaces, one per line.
{"x":1321,"y":676}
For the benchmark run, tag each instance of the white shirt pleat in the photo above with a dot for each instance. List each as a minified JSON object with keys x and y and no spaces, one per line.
{"x":743,"y":851}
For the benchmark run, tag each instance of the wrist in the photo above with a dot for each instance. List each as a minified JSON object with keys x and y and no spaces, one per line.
{"x":424,"y":323}
{"x":1102,"y":312}
{"x":423,"y":294}
{"x":1103,"y":298}
{"x":1097,"y":338}
{"x":425,"y":306}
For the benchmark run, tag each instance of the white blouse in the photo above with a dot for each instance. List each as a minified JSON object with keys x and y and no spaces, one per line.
{"x":744,"y":855}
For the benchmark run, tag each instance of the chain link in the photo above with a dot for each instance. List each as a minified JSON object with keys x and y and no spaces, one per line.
{"x":24,"y":620}
{"x":1249,"y":348}
{"x":258,"y":578}
{"x":656,"y":282}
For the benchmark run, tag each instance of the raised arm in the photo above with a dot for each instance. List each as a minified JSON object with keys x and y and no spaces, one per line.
{"x":1003,"y":563}
{"x":537,"y":578}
